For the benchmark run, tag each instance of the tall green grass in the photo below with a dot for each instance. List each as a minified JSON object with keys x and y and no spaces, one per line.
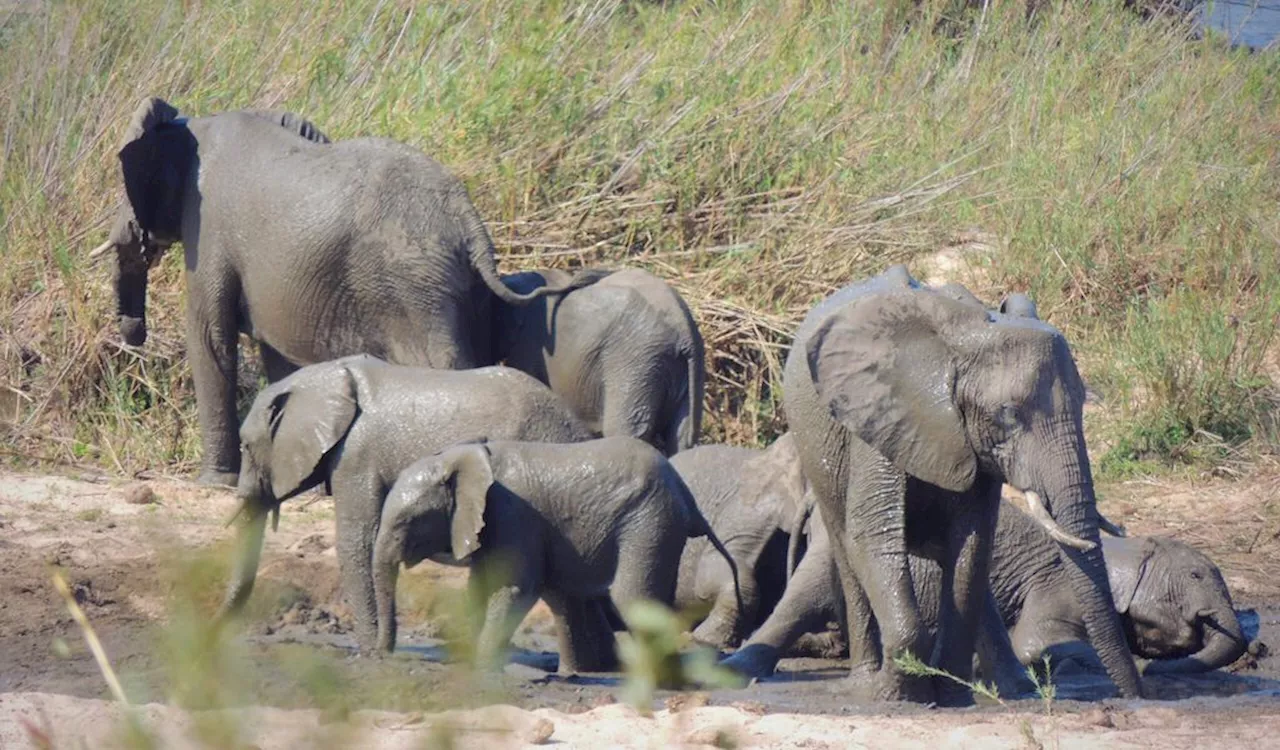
{"x":759,"y":155}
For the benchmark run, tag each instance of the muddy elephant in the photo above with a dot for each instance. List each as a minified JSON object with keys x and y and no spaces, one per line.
{"x":754,"y":500}
{"x":625,"y":353}
{"x":315,"y":250}
{"x":575,"y":525}
{"x":910,"y":410}
{"x":1176,"y":607}
{"x":351,"y":425}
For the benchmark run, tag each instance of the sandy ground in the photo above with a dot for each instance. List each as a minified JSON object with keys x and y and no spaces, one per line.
{"x":293,"y":679}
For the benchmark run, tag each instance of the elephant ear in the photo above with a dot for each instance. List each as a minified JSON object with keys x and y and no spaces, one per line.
{"x":883,"y":369}
{"x":1126,"y":567}
{"x":307,"y":421}
{"x":472,"y":476}
{"x":154,"y":167}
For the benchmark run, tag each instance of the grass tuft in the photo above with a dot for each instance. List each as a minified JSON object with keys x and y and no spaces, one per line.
{"x":757,"y":155}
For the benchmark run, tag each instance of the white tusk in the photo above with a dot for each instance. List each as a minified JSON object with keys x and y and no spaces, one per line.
{"x":1036,"y":506}
{"x":1106,"y":525}
{"x":100,"y":249}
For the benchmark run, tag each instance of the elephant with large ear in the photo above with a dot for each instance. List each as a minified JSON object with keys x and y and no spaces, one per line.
{"x":351,"y":425}
{"x":755,"y":501}
{"x":316,"y":250}
{"x":910,"y":409}
{"x":625,"y":353}
{"x":570,"y":524}
{"x":1176,"y":606}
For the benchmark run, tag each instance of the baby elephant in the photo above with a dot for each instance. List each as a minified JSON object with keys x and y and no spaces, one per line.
{"x":624,"y":353}
{"x":573,"y":524}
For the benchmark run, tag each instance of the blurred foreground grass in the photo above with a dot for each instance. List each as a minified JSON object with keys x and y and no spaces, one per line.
{"x":759,"y":155}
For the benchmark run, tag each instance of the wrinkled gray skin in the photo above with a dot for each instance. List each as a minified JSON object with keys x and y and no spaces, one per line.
{"x":759,"y":503}
{"x":1173,"y":601}
{"x":352,"y":425}
{"x":570,"y":524}
{"x":625,"y":353}
{"x":1176,"y":607}
{"x":908,"y":405}
{"x":316,"y":250}
{"x":755,"y":501}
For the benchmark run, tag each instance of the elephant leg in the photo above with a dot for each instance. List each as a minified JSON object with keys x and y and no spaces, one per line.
{"x":585,"y":636}
{"x":505,"y":607}
{"x":806,"y":606}
{"x":212,"y":339}
{"x":725,"y":623}
{"x":646,"y":571}
{"x":996,"y":656}
{"x":972,"y":526}
{"x":274,"y":365}
{"x":358,"y":510}
{"x":631,"y":409}
{"x":1043,"y":628}
{"x":875,"y":540}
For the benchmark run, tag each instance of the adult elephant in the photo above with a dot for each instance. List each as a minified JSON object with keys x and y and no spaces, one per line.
{"x":315,"y":250}
{"x":910,"y":409}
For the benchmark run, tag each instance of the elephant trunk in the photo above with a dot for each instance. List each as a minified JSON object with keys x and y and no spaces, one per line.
{"x":131,"y":304}
{"x":386,"y":571}
{"x":248,"y":553}
{"x":1070,"y":493}
{"x":1223,"y":641}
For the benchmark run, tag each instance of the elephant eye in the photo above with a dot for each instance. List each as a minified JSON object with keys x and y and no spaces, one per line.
{"x":1196,"y":575}
{"x":1007,"y":416}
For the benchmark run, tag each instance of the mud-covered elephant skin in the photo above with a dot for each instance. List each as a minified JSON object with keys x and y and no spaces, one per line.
{"x":574,"y":525}
{"x":625,"y":353}
{"x":351,"y":425}
{"x":315,"y":250}
{"x":909,"y":410}
{"x":1175,"y":605}
{"x":754,"y":500}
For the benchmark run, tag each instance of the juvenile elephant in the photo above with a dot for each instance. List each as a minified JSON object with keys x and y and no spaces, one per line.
{"x":316,"y":250}
{"x":754,"y":500}
{"x":574,"y":523}
{"x":625,"y":353}
{"x":909,"y":410}
{"x":1174,"y":603}
{"x":352,"y":425}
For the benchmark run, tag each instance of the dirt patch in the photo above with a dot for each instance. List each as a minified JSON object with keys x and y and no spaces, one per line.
{"x":293,"y":667}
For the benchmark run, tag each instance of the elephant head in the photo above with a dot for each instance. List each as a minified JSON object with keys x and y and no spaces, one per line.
{"x":1176,"y":606}
{"x":947,"y":391}
{"x":157,"y":157}
{"x":286,"y":442}
{"x":436,"y":506}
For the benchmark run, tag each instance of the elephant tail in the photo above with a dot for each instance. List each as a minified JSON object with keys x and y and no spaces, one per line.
{"x":700,"y":527}
{"x":689,"y":427}
{"x":483,"y":262}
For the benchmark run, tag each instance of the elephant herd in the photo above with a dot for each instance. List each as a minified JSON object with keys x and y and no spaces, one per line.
{"x":542,"y":429}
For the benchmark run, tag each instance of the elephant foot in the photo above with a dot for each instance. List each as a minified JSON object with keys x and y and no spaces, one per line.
{"x":218,"y":478}
{"x":756,"y":661}
{"x":888,"y":685}
{"x":951,"y":694}
{"x":595,"y":663}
